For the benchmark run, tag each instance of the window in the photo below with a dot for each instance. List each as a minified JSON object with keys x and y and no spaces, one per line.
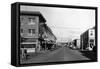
{"x":91,"y":33}
{"x":31,"y":21}
{"x":31,"y":31}
{"x":91,"y":40}
{"x":28,"y":46}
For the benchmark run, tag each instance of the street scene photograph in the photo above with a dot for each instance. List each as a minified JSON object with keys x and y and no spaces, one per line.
{"x":54,"y":34}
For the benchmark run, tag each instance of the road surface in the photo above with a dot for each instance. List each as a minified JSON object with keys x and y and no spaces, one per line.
{"x":61,"y":54}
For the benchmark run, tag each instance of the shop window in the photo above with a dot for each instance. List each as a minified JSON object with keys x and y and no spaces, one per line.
{"x":28,"y":45}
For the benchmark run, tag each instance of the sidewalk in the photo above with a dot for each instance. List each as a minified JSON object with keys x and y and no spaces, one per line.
{"x":33,"y":56}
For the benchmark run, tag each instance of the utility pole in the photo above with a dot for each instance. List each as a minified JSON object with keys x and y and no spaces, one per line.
{"x":45,"y":45}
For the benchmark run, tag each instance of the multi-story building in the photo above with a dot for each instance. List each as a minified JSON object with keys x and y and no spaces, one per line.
{"x":29,"y":30}
{"x":87,"y":39}
{"x":34,"y":32}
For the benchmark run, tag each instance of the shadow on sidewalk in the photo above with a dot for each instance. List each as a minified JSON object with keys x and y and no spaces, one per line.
{"x":90,"y":54}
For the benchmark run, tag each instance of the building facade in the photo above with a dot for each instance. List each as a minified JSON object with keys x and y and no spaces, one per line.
{"x":29,"y":30}
{"x":34,"y":32}
{"x":87,"y":39}
{"x":47,"y":38}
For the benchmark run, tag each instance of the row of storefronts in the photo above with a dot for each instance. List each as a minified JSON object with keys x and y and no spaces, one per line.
{"x":35,"y":34}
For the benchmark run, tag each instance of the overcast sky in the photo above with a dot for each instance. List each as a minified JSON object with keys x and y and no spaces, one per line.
{"x":66,"y":23}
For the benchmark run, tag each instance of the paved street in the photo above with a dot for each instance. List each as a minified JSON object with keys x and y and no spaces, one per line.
{"x":59,"y":36}
{"x":61,"y":54}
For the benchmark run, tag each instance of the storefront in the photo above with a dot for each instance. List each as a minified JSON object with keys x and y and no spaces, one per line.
{"x":29,"y":31}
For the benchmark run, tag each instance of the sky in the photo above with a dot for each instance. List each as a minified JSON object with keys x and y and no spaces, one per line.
{"x":66,"y":23}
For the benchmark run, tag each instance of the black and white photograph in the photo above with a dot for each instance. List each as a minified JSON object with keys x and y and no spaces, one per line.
{"x":50,"y":34}
{"x":47,"y":33}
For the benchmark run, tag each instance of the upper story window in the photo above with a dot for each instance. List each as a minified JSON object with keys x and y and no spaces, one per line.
{"x":31,"y":31}
{"x":31,"y":21}
{"x":91,"y":33}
